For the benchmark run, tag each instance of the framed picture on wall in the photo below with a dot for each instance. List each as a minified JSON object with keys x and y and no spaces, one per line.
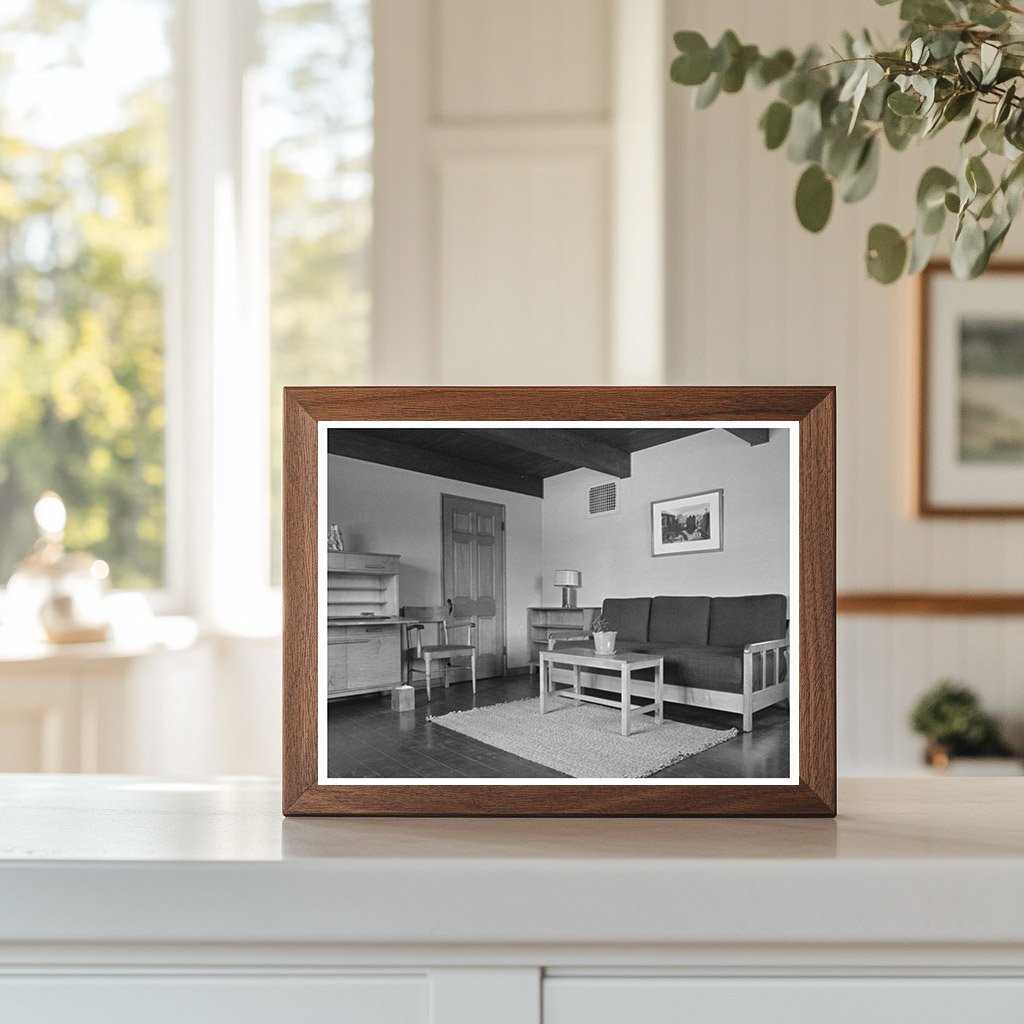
{"x":686,"y":525}
{"x":970,"y":444}
{"x":495,"y":639}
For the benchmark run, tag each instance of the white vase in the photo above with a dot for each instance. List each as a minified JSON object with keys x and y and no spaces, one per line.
{"x":604,"y":643}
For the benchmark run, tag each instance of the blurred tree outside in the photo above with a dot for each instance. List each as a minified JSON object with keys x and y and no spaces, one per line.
{"x":83,"y":216}
{"x":318,"y":131}
{"x":84,"y":169}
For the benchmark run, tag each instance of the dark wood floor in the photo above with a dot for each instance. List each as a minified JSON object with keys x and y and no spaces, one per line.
{"x":366,"y":739}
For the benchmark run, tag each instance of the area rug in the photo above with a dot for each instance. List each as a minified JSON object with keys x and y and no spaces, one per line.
{"x":583,"y":742}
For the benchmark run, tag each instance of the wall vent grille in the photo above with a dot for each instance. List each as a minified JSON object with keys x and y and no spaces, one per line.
{"x":603,"y":499}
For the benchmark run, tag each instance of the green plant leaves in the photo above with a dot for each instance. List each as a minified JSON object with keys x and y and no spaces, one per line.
{"x":775,"y":122}
{"x":956,"y":60}
{"x":814,"y":196}
{"x":887,"y":253}
{"x":969,"y":253}
{"x":904,"y":103}
{"x":693,"y":65}
{"x":865,"y":173}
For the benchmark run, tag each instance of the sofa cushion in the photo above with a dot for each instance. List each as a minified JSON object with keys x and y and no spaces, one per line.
{"x":627,"y":616}
{"x":680,"y":620}
{"x":736,"y":621}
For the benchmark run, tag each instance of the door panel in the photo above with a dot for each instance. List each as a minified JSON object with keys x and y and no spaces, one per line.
{"x":473,"y":574}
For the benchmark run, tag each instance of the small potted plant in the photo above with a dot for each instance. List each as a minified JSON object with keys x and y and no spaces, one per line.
{"x":949,"y":716}
{"x":604,"y":636}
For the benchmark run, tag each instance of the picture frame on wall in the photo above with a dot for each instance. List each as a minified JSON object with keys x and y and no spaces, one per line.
{"x":686,"y":525}
{"x":430,"y":668}
{"x":970,"y":418}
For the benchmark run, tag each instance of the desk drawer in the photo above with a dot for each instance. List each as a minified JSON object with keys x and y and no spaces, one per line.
{"x":667,"y":1000}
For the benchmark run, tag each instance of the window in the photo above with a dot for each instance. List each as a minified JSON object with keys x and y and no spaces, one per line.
{"x":83,"y":236}
{"x":185,"y":222}
{"x":317,"y":119}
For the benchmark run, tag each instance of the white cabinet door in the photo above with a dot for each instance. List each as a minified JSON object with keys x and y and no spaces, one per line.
{"x":202,"y":999}
{"x":655,"y":1000}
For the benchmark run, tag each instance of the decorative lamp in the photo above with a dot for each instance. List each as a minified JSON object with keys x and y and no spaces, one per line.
{"x":570,"y":580}
{"x":59,"y":594}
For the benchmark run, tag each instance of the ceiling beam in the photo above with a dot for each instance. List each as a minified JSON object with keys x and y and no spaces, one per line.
{"x":368,"y":447}
{"x":566,"y":446}
{"x":753,"y":435}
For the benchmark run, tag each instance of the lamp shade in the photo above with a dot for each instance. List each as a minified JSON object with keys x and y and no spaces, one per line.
{"x":568,"y":578}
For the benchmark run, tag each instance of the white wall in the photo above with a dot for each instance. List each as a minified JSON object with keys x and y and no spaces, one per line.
{"x":754,"y":299}
{"x":396,"y":511}
{"x":614,"y":552}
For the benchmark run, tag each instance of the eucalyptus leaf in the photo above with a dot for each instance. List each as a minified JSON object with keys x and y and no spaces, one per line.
{"x":771,"y":69}
{"x":968,"y":247}
{"x":904,"y":103}
{"x":814,"y":196}
{"x":707,"y":93}
{"x":931,"y":190}
{"x":805,"y":133}
{"x":886,"y":253}
{"x":922,"y":248}
{"x":775,"y":124}
{"x":865,"y":174}
{"x":993,"y":138}
{"x":978,"y":176}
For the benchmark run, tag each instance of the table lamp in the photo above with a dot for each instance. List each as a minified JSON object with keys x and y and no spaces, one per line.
{"x":569,"y":580}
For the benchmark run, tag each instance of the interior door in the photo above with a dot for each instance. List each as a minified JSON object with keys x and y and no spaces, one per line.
{"x":473,"y":574}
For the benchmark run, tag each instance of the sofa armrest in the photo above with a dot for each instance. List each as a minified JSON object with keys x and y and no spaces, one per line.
{"x":766,"y":645}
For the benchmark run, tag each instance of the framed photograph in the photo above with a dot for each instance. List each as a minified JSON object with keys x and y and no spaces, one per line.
{"x":496,"y":639}
{"x":970,"y":450}
{"x":685,"y":525}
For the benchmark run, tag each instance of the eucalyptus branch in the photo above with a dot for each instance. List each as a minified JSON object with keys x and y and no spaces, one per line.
{"x":833,"y":118}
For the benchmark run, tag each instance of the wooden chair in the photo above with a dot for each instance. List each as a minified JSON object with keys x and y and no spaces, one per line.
{"x":421,"y":657}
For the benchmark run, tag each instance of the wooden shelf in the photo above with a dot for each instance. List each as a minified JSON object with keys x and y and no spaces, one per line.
{"x":936,"y":603}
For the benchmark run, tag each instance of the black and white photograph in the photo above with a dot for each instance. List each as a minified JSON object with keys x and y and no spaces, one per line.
{"x":499,"y":610}
{"x":687,"y":525}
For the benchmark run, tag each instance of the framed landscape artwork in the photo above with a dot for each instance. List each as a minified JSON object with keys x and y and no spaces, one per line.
{"x":436,"y":662}
{"x":970,"y":451}
{"x":686,"y":525}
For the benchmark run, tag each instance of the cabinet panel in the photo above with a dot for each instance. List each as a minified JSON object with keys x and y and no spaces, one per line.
{"x":783,"y":1000}
{"x":357,"y":561}
{"x":363,"y":657}
{"x":216,"y":1000}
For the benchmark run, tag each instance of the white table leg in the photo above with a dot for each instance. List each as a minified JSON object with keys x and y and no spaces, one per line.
{"x":576,"y":683}
{"x":659,"y":699}
{"x":542,"y":672}
{"x":625,"y":700}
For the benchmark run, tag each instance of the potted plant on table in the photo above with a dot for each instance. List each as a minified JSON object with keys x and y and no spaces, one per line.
{"x":950,"y":717}
{"x":604,"y":636}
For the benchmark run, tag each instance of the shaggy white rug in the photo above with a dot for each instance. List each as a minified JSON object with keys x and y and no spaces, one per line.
{"x":583,"y":742}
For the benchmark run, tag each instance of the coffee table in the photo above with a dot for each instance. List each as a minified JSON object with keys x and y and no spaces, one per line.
{"x":625,"y":663}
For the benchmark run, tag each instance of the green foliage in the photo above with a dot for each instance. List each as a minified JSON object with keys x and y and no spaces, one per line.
{"x":956,"y":60}
{"x":82,"y":233}
{"x":949,"y":715}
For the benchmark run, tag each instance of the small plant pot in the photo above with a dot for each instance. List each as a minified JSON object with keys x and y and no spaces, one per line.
{"x":604,"y":643}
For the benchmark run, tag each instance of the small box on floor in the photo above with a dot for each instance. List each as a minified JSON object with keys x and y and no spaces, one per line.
{"x":403,"y":698}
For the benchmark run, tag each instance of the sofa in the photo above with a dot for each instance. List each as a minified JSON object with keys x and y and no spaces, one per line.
{"x":726,"y":653}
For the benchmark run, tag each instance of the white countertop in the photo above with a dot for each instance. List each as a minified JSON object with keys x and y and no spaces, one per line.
{"x":121,"y":859}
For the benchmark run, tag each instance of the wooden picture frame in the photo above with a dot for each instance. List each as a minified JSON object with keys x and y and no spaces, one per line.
{"x":805,"y":416}
{"x":956,"y":475}
{"x":707,"y":536}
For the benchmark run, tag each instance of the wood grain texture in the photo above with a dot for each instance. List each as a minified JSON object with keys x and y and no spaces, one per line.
{"x":812,"y":407}
{"x":926,"y":603}
{"x":924,"y":505}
